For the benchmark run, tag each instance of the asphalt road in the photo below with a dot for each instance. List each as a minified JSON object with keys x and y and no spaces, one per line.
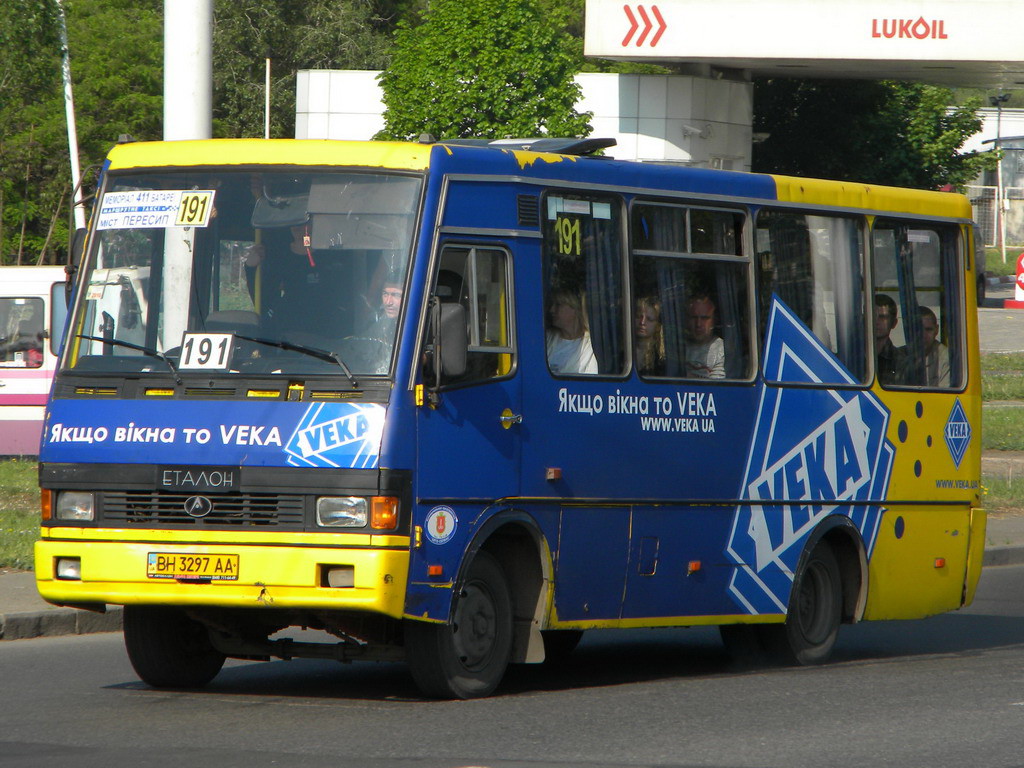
{"x":944,"y":691}
{"x":999,"y":329}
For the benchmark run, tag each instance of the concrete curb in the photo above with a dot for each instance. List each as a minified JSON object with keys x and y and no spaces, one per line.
{"x":59,"y":621}
{"x":995,"y":556}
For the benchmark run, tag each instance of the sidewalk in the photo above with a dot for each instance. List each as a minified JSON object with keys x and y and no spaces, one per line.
{"x":23,"y":614}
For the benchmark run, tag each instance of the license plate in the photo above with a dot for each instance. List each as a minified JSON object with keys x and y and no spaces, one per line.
{"x":187,"y":565}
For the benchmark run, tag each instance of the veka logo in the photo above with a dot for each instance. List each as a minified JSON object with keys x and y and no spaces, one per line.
{"x":815,"y":452}
{"x":648,"y":25}
{"x":337,"y":435}
{"x":957,"y":433}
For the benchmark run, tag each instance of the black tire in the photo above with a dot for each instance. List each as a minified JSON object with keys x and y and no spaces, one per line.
{"x":560,"y":643}
{"x":467,"y":658}
{"x":815,"y":612}
{"x":168,"y":649}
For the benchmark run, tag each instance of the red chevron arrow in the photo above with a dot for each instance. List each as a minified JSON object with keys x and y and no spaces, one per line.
{"x":634,"y":25}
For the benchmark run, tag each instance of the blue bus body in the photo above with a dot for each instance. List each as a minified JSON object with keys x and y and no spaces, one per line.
{"x":606,"y":500}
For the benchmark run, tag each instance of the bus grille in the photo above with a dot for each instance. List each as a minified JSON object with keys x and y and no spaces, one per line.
{"x":264,"y":510}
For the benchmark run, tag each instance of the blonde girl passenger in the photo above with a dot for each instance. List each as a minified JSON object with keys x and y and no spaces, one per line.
{"x":650,"y":337}
{"x":568,"y":335}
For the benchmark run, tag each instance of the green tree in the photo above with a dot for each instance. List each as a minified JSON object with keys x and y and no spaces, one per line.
{"x":477,"y":68}
{"x":315,"y":34}
{"x":116,"y":59}
{"x":878,"y":132}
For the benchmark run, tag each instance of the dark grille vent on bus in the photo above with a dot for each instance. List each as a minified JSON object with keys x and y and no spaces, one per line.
{"x":259,"y":510}
{"x":529,"y":210}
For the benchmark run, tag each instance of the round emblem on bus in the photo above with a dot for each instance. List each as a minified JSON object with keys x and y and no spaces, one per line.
{"x":441,"y":524}
{"x":198,"y":506}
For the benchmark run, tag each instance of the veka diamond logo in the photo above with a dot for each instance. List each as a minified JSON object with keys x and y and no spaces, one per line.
{"x":815,"y":452}
{"x":957,"y":433}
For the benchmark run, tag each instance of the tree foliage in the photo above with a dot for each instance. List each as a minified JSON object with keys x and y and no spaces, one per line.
{"x":117,"y":70}
{"x":477,"y":68}
{"x":116,"y":65}
{"x":315,"y":34}
{"x":877,"y":132}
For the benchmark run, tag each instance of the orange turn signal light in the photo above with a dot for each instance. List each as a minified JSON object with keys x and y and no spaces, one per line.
{"x":384,"y":513}
{"x":940,"y":562}
{"x":46,"y":504}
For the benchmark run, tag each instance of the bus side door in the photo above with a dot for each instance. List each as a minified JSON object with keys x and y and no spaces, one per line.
{"x":468,"y":442}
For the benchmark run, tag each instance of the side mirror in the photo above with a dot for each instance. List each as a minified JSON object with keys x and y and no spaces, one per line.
{"x":75,"y":258}
{"x":77,"y":246}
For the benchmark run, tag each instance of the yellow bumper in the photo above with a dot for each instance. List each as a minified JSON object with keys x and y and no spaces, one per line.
{"x":271,"y":573}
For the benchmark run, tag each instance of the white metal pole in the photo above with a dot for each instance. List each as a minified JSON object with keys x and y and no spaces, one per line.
{"x":188,"y":69}
{"x":69,"y":112}
{"x":266,"y":102}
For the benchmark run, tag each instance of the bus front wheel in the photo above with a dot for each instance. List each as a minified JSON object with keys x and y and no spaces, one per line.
{"x":466,"y":658}
{"x":167,"y":649}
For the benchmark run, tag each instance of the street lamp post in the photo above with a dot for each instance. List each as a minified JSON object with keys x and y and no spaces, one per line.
{"x":997,"y":102}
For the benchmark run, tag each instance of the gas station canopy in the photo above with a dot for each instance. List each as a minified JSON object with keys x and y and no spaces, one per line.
{"x":966,"y":43}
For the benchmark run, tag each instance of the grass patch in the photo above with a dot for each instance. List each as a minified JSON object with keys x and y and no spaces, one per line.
{"x":1002,"y":427}
{"x":1003,"y":493}
{"x":1002,"y":385}
{"x":994,"y":261}
{"x":1002,"y":376}
{"x":19,"y":513}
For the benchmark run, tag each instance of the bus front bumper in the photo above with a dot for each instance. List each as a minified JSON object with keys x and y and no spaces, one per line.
{"x":102,"y":570}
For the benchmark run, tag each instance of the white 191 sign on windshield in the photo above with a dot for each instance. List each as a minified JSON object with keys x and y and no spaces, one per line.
{"x":206,"y":351}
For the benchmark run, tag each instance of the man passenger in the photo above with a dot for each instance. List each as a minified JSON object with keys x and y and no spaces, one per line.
{"x":892,"y":360}
{"x":705,"y":351}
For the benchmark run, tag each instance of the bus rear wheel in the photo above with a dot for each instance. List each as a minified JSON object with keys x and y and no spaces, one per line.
{"x":815,"y":612}
{"x":167,"y":649}
{"x":467,"y":658}
{"x":812,"y":622}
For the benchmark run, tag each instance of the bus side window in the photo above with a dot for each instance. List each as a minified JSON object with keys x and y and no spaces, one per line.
{"x":584,"y":303}
{"x":690,"y":293}
{"x":478,"y":278}
{"x":917,"y":272}
{"x":815,"y":266}
{"x":21,"y":332}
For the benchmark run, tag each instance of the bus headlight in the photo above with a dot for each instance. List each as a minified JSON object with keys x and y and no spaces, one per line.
{"x":74,"y":505}
{"x":341,"y":511}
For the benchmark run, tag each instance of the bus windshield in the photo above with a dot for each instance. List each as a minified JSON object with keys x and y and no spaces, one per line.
{"x":246,"y":273}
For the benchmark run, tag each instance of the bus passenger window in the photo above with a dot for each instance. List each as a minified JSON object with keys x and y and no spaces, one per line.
{"x":917,"y":272}
{"x":584,"y":304}
{"x":478,"y":279}
{"x":691,"y":316}
{"x":21,"y":332}
{"x":814,"y":265}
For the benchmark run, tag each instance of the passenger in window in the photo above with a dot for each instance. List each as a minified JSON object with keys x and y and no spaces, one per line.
{"x":705,"y":350}
{"x":568,"y":336}
{"x":892,"y":360}
{"x":650,"y":337}
{"x":936,"y":354}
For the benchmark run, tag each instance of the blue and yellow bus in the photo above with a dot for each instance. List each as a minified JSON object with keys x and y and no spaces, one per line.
{"x":456,"y":403}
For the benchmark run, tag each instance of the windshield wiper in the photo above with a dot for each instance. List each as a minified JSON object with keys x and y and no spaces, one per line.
{"x":322,"y":354}
{"x":145,"y":350}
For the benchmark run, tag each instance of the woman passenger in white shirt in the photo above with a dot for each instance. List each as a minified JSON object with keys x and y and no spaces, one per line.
{"x":568,"y":337}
